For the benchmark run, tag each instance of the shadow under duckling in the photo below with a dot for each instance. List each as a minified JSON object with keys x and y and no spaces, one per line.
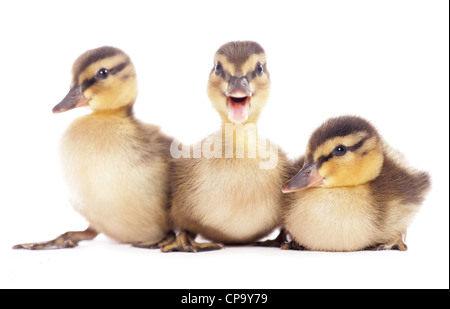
{"x":231,"y":195}
{"x":116,"y":167}
{"x":353,"y":193}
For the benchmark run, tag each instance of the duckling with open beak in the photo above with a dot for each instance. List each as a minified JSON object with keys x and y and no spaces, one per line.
{"x":230,"y":199}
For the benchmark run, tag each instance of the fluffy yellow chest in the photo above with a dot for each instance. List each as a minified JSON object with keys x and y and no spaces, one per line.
{"x":117,"y":192}
{"x":236,"y":197}
{"x":332,"y":219}
{"x":94,"y":153}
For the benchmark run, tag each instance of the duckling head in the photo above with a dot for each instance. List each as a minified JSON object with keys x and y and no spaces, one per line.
{"x":344,"y":151}
{"x":239,"y":82}
{"x":103,"y":79}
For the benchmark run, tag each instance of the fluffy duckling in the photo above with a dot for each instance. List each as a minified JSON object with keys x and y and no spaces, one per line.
{"x":354,"y":192}
{"x":230,"y":197}
{"x":115,"y":166}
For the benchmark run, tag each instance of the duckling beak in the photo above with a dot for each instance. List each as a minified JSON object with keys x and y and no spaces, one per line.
{"x":238,"y":99}
{"x":307,"y":177}
{"x":73,"y":99}
{"x":238,"y":84}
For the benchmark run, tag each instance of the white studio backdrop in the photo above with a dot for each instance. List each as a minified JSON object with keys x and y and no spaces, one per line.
{"x":387,"y":61}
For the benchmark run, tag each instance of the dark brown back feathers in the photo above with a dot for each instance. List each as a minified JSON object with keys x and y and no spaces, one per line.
{"x":397,"y":183}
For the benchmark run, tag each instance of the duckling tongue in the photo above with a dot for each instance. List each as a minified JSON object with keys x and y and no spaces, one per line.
{"x":238,"y":109}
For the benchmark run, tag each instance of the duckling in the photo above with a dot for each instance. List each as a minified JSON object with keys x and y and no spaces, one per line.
{"x":115,"y":166}
{"x":230,"y":197}
{"x":354,"y":192}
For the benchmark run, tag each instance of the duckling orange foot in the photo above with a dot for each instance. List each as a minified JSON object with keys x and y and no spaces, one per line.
{"x":168,"y":239}
{"x":66,"y":240}
{"x":277,"y":242}
{"x":185,"y":242}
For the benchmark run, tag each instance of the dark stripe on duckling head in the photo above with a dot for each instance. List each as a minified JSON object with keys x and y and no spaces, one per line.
{"x":339,"y":126}
{"x":251,"y":75}
{"x":119,"y":67}
{"x":90,"y":57}
{"x":323,"y":159}
{"x":225,"y":75}
{"x":238,"y":52}
{"x":89,"y":82}
{"x":358,"y":145}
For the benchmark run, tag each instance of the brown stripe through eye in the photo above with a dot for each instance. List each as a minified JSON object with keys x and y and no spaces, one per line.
{"x":119,"y":67}
{"x":89,"y":82}
{"x":324,"y":159}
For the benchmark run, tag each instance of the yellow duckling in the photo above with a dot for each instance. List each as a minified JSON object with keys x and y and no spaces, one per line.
{"x":353,"y":193}
{"x":231,"y":195}
{"x":115,"y":166}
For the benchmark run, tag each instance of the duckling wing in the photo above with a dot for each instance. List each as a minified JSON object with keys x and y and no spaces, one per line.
{"x":401,"y":184}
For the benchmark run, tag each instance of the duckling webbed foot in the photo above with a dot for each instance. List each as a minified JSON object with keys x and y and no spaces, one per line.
{"x":395,"y":245}
{"x":279,"y":241}
{"x":66,"y":240}
{"x":292,"y":245}
{"x":168,"y":239}
{"x":185,"y":242}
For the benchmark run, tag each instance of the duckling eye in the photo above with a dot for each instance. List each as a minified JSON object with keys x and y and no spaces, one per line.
{"x":340,"y":150}
{"x":101,"y":74}
{"x":218,"y":68}
{"x":259,"y":69}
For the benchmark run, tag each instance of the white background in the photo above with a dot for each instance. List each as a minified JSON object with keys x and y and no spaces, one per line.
{"x":387,"y":61}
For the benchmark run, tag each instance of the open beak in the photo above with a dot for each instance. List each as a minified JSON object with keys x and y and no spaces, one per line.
{"x":238,"y":99}
{"x":73,"y":99}
{"x":307,"y":177}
